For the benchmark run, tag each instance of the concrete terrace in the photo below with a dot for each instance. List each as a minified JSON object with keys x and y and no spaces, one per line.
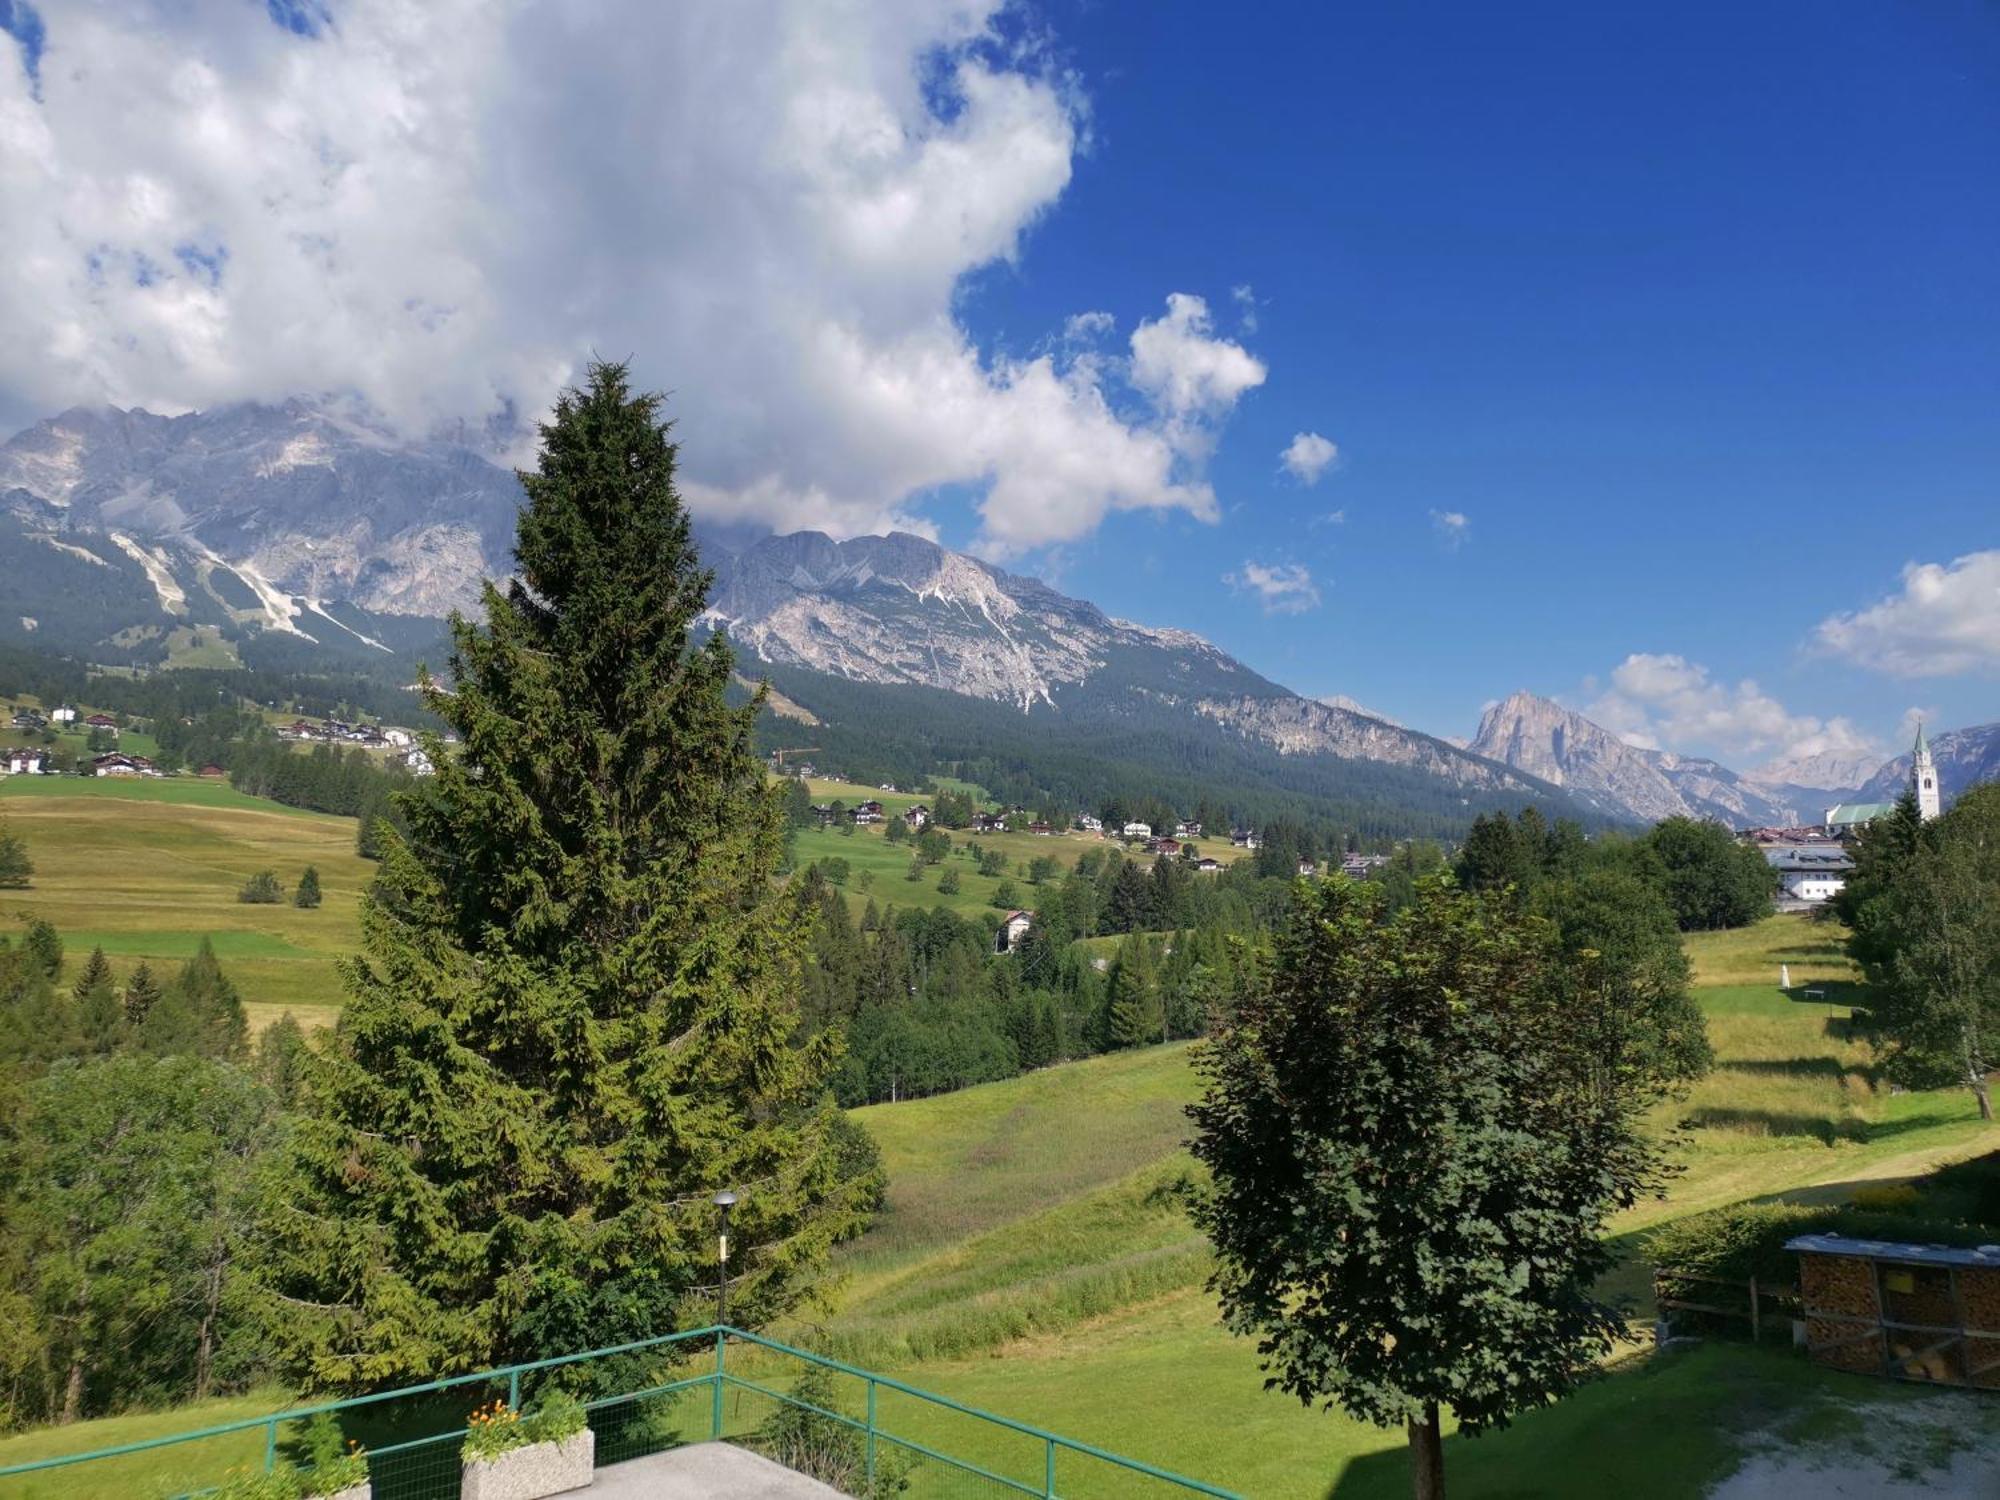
{"x":706,"y":1471}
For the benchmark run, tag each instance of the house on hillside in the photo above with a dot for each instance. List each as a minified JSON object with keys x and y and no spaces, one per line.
{"x":116,"y":764}
{"x":1246,"y":838}
{"x":401,"y":739}
{"x":1208,"y":866}
{"x":866,"y":812}
{"x":417,"y":763}
{"x":101,"y":721}
{"x":1136,"y":830}
{"x":63,"y":713}
{"x":1809,"y":874}
{"x":1085,"y":823}
{"x":23,"y":762}
{"x":989,"y":823}
{"x":28,"y":718}
{"x":1307,"y":869}
{"x":1040,"y":829}
{"x":1163,"y":846}
{"x":1013,"y":927}
{"x":1187,"y":830}
{"x":915,"y":817}
{"x":212,"y":772}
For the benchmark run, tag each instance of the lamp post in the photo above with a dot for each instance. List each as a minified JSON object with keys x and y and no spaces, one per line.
{"x":724,"y":1200}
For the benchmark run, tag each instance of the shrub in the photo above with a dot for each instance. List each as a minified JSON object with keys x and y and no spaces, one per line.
{"x":1888,"y":1197}
{"x":307,"y":894}
{"x":948,"y":883}
{"x":497,"y":1428}
{"x":262,"y":889}
{"x":280,"y":1483}
{"x":332,"y":1465}
{"x":805,"y":1439}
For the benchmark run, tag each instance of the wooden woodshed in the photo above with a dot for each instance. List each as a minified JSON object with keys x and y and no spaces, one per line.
{"x":1911,"y":1312}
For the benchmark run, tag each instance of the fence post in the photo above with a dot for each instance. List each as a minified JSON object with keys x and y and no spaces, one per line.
{"x":715,"y":1427}
{"x":1049,"y":1470}
{"x":871,"y":1437}
{"x":514,"y":1390}
{"x":270,"y":1445}
{"x":1756,"y":1320}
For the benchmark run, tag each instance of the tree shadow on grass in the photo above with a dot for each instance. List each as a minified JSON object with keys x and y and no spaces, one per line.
{"x":1832,"y":1069}
{"x":1776,"y":1122}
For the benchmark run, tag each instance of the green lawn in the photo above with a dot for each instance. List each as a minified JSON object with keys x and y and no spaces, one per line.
{"x":147,"y":868}
{"x":141,"y":1476}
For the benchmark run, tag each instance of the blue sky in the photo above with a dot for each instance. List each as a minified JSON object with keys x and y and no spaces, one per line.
{"x":1693,"y":312}
{"x":1660,"y":346}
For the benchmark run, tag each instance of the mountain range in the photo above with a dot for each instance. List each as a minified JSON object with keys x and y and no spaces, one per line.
{"x":293,"y":533}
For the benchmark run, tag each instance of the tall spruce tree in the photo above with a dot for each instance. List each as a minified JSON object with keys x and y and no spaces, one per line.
{"x":142,"y":993}
{"x":98,"y":1012}
{"x":198,"y":1015}
{"x":576,"y":1014}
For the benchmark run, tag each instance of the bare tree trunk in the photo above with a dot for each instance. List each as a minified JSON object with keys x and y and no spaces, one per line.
{"x":72,"y":1406}
{"x":1984,"y":1096}
{"x":1426,"y":1456}
{"x":204,"y":1359}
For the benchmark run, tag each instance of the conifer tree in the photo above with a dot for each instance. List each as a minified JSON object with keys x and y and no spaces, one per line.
{"x":44,"y":945}
{"x":575,"y":1017}
{"x":199,"y":1014}
{"x":1132,"y":1004}
{"x":307,"y":894}
{"x":98,"y":1013}
{"x":142,"y":993}
{"x":16,"y":869}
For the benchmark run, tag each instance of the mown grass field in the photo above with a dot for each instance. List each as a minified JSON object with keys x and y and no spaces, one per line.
{"x":147,"y":868}
{"x":1034,"y":1258}
{"x":1034,"y":1261}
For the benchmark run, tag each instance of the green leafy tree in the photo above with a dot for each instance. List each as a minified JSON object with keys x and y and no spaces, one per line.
{"x":17,"y":871}
{"x":948,"y":883}
{"x":307,"y":895}
{"x":1931,"y":949}
{"x":576,"y":1014}
{"x":896,"y":831}
{"x":262,"y":889}
{"x":1709,"y":879}
{"x":1006,"y":895}
{"x":1415,"y":1134}
{"x":100,"y":1017}
{"x":198,"y":1014}
{"x":130,"y":1206}
{"x":933,"y":844}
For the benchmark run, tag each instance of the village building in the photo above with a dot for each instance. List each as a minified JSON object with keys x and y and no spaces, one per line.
{"x":1041,"y":830}
{"x":866,"y":812}
{"x":1809,"y":874}
{"x":1137,"y":830}
{"x":916,"y":817}
{"x":1013,"y":927}
{"x":211,"y":772}
{"x":1163,"y":846}
{"x":1085,"y":823}
{"x":1848,"y":818}
{"x":23,"y":762}
{"x":988,"y":823}
{"x":418,"y":763}
{"x":1245,"y":838}
{"x":1208,"y":866}
{"x":63,"y":713}
{"x":28,"y":718}
{"x":123,"y":765}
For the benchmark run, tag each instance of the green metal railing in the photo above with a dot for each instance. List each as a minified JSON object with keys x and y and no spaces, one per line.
{"x":667,"y":1391}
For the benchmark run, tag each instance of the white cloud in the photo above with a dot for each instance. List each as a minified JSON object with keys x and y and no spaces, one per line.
{"x":1945,"y":621}
{"x":1308,"y":456}
{"x":1282,"y":588}
{"x":442,"y":209}
{"x":1663,"y":701}
{"x":1245,"y":298}
{"x":1453,"y":525}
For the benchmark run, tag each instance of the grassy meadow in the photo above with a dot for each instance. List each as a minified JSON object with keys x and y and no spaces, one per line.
{"x":879,"y":870}
{"x":146,"y":868}
{"x":1033,"y":1258}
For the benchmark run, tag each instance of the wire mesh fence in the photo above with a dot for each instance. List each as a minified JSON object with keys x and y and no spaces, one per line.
{"x":866,"y":1435}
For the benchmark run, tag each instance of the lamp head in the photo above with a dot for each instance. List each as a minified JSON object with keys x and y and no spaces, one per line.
{"x":724,"y":1200}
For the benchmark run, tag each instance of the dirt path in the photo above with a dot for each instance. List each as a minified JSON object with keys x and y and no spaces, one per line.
{"x":1903,"y":1447}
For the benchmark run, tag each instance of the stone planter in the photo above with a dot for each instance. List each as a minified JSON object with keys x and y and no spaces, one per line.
{"x":532,"y":1472}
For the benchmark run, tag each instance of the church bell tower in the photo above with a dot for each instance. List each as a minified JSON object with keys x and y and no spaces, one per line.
{"x":1923,"y":777}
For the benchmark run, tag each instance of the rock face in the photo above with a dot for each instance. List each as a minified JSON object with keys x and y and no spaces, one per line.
{"x":1591,"y":763}
{"x":1964,"y":758}
{"x":903,"y":610}
{"x":293,"y":497}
